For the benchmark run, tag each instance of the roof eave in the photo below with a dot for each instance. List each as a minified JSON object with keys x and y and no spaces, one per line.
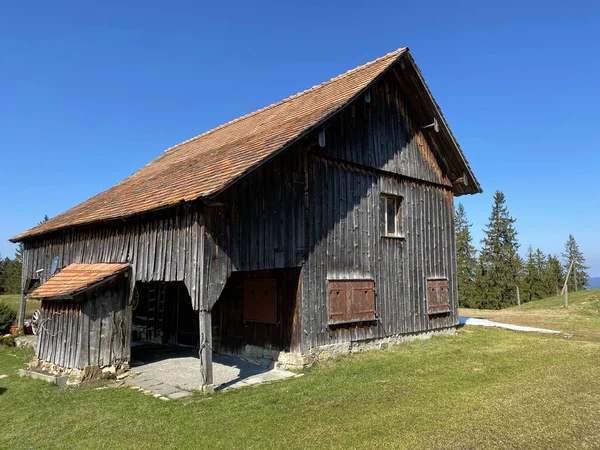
{"x":472,"y":185}
{"x":70,"y":295}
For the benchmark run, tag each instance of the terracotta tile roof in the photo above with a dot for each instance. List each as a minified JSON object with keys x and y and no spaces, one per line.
{"x":76,"y":278}
{"x":206,"y":164}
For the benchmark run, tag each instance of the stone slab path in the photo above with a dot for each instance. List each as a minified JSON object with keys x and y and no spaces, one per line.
{"x":178,"y":376}
{"x":488,"y":323}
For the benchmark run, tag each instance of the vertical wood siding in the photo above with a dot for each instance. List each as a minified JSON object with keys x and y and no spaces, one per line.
{"x":162,"y":246}
{"x":372,"y":149}
{"x":382,"y":134}
{"x":94,"y":328}
{"x":345,"y":244}
{"x":259,"y":226}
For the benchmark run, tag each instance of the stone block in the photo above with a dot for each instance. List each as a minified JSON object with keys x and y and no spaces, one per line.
{"x":54,"y":379}
{"x":179,"y":394}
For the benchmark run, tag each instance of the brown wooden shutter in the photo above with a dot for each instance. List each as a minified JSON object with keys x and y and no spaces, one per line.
{"x":338,"y":298}
{"x":351,"y":301}
{"x":260,"y":301}
{"x":362,"y":307}
{"x":437,"y":297}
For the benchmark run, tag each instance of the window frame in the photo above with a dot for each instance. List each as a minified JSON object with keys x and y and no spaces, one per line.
{"x":384,"y":201}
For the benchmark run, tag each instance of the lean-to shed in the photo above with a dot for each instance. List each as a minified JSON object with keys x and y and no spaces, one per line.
{"x":323,"y":220}
{"x":85,"y":317}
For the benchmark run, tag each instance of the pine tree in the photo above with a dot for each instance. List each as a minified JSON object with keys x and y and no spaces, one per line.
{"x":1,"y":275}
{"x":530,"y":275}
{"x":11,"y":278}
{"x":466,"y":258}
{"x":535,"y":275}
{"x":500,"y":264}
{"x":579,"y":277}
{"x":19,"y":252}
{"x":554,"y":276}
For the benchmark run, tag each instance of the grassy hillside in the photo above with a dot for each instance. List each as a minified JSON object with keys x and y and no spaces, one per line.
{"x":581,"y":319}
{"x":484,"y":388}
{"x":14,"y":300}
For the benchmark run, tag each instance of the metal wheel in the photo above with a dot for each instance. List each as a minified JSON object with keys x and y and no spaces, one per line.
{"x":136,"y":298}
{"x":35,"y":321}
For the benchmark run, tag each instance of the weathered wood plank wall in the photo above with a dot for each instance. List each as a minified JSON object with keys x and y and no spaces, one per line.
{"x":162,"y":246}
{"x":59,"y":334}
{"x":234,"y":331}
{"x":260,"y":224}
{"x":93,"y":328}
{"x":345,"y":243}
{"x":371,"y":149}
{"x":382,"y":134}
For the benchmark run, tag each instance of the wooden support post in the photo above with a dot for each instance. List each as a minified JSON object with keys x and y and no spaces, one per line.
{"x":518,"y":299}
{"x":206,"y":369}
{"x":21,"y":321}
{"x":566,"y":286}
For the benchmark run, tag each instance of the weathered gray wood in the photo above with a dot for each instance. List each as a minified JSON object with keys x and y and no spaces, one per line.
{"x":22,"y":301}
{"x":205,"y":351}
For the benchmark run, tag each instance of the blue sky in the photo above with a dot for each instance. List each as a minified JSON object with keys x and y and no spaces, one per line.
{"x":89,"y":94}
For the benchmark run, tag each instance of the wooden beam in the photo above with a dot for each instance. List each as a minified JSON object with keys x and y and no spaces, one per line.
{"x":205,"y":352}
{"x":21,"y":321}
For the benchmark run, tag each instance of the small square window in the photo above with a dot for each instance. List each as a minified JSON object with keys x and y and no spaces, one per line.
{"x":390,"y":215}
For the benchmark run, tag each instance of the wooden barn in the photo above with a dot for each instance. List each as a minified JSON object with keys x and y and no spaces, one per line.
{"x":323,"y":220}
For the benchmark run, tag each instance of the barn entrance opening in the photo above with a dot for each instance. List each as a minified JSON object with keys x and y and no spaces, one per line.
{"x":162,"y":315}
{"x":256,"y":314}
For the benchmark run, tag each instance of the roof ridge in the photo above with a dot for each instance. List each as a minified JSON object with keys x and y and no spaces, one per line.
{"x":291,"y":97}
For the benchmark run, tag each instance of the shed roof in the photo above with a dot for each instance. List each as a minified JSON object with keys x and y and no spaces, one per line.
{"x":76,"y":278}
{"x":208,"y":163}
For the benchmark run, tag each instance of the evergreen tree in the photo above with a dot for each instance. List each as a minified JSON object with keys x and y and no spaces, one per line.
{"x":528,"y":279}
{"x":466,"y":258}
{"x":579,"y":277}
{"x":19,"y":252}
{"x":10,"y":270}
{"x":535,"y":275}
{"x":554,"y":276}
{"x":1,"y":275}
{"x":11,"y":277}
{"x":500,"y":264}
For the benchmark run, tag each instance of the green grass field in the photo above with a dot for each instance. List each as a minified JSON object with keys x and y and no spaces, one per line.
{"x":484,"y":388}
{"x":13,"y":301}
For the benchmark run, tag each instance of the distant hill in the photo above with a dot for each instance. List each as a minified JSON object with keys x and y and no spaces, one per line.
{"x":594,"y":283}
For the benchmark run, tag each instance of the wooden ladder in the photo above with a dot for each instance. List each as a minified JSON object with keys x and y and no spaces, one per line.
{"x":160,"y":313}
{"x":151,"y":321}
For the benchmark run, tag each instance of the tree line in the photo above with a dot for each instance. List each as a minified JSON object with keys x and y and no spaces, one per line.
{"x":10,"y":269}
{"x":10,"y":273}
{"x":488,"y":278}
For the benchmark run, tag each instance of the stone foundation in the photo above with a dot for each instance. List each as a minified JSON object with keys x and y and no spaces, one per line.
{"x":77,"y":376}
{"x":298,"y":361}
